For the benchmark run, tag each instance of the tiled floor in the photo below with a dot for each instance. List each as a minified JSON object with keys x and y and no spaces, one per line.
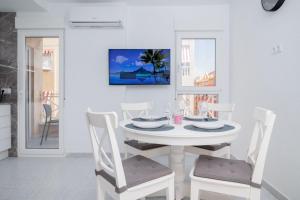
{"x":70,"y":178}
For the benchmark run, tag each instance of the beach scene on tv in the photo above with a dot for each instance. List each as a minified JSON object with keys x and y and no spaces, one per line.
{"x":139,"y":66}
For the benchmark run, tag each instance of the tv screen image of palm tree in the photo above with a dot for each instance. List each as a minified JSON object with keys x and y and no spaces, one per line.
{"x":139,"y":66}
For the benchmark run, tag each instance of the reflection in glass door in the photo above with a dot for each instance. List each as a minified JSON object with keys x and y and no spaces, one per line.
{"x":42,"y":92}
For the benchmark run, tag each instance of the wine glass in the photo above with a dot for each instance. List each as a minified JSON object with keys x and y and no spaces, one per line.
{"x":168,"y":112}
{"x":204,"y":109}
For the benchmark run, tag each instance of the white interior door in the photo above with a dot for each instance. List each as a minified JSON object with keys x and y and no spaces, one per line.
{"x":41,"y":92}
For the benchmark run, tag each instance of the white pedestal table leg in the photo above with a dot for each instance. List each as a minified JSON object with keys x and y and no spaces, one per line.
{"x":177,"y":164}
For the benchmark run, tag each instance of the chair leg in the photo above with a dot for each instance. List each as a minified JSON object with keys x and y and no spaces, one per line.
{"x":126,"y":152}
{"x":194,"y":192}
{"x":100,"y":192}
{"x":43,"y":133}
{"x":255,"y":194}
{"x":170,"y":191}
{"x":47,"y":131}
{"x":228,"y":154}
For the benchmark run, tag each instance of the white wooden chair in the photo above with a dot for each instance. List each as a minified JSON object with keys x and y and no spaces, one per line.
{"x":224,"y":112}
{"x":129,"y":179}
{"x":134,"y":147}
{"x":236,"y":177}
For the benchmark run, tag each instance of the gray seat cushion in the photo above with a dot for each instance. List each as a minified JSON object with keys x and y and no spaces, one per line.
{"x":223,"y":169}
{"x":213,"y":147}
{"x":138,"y":170}
{"x":142,"y":146}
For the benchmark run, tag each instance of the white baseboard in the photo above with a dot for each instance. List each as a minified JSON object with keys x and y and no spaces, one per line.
{"x":3,"y":154}
{"x":275,"y":192}
{"x":75,"y":155}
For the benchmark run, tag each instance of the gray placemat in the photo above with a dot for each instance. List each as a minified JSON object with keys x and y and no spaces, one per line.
{"x":139,"y":119}
{"x":223,"y":129}
{"x":162,"y":128}
{"x":200,"y":120}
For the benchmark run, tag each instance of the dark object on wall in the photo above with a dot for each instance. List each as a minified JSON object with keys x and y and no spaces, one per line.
{"x":271,"y":5}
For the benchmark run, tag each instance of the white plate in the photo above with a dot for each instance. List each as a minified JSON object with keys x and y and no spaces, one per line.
{"x":209,"y":125}
{"x":194,"y":117}
{"x":151,"y":124}
{"x":150,"y":117}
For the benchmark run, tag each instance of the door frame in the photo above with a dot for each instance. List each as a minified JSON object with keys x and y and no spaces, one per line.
{"x":21,"y":140}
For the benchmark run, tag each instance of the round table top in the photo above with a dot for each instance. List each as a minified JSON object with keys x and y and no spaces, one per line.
{"x":179,"y":136}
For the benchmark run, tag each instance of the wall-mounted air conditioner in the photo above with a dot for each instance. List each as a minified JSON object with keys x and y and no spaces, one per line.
{"x":96,"y":24}
{"x":97,"y":17}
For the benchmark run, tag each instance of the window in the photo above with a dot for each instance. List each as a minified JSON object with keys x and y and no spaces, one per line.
{"x":198,"y":62}
{"x":202,"y":69}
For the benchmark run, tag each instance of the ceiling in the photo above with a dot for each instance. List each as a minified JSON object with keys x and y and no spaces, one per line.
{"x":145,"y":2}
{"x":41,"y":5}
{"x":19,"y":5}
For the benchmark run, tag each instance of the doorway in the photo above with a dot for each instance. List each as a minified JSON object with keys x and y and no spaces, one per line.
{"x":41,"y":92}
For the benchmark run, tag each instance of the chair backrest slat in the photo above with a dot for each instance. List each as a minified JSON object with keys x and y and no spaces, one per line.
{"x":257,"y":152}
{"x":48,"y":110}
{"x":108,"y":121}
{"x":223,"y":109}
{"x":128,"y":109}
{"x":106,"y":157}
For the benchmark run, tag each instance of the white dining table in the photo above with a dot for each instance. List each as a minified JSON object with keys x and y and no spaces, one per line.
{"x":178,"y":138}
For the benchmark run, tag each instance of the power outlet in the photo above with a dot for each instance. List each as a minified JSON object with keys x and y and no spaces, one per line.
{"x":7,"y":91}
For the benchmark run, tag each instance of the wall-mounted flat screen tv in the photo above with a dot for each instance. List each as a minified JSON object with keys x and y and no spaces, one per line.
{"x":139,"y":66}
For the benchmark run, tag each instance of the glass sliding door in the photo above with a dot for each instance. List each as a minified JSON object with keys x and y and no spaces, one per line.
{"x":41,"y":94}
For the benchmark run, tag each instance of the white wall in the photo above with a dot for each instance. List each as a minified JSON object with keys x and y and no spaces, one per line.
{"x":261,"y":78}
{"x":87,"y":81}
